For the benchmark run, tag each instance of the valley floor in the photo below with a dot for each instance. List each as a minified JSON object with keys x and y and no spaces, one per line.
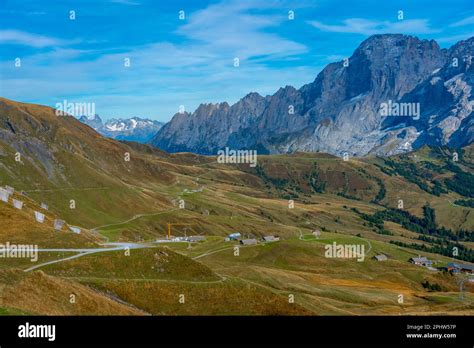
{"x":287,"y":277}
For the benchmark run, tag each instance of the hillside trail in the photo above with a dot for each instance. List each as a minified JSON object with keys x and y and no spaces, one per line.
{"x":83,"y":252}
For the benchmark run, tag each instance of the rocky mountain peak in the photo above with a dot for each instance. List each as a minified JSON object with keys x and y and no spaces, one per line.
{"x":93,"y":121}
{"x":340,"y":110}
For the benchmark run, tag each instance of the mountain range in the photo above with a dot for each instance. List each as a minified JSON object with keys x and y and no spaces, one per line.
{"x":130,"y":129}
{"x":395,"y":94}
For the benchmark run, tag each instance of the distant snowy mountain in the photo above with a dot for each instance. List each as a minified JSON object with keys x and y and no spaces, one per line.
{"x":131,"y":129}
{"x":94,"y":122}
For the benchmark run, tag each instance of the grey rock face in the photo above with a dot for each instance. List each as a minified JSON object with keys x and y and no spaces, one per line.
{"x":211,"y":126}
{"x":446,"y":103}
{"x":342,"y":110}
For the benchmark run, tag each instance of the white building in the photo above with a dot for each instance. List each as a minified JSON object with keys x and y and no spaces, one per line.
{"x":194,"y":239}
{"x":4,"y":195}
{"x":58,"y":224}
{"x":17,"y":204}
{"x":251,"y":241}
{"x":234,"y":236}
{"x":381,"y":257}
{"x":9,"y":189}
{"x":75,"y":229}
{"x":39,"y":217}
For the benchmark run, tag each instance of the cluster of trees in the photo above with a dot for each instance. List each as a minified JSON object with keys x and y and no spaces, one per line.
{"x":415,"y":175}
{"x":345,"y":195}
{"x":382,"y":191}
{"x":277,"y":182}
{"x":466,"y":235}
{"x":465,"y":202}
{"x":315,"y":181}
{"x":287,"y":188}
{"x":442,"y":249}
{"x":426,"y":225}
{"x":437,"y":188}
{"x":374,"y":221}
{"x":431,"y":287}
{"x":447,"y":248}
{"x":418,"y":173}
{"x":442,"y":240}
{"x":462,"y":182}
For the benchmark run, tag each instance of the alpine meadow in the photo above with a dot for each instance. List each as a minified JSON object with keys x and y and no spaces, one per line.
{"x":236,"y":158}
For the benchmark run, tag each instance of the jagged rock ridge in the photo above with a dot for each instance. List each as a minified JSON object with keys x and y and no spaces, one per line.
{"x":340,"y":111}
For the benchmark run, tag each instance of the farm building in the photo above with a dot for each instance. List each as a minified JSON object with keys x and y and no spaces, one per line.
{"x":316,"y":233}
{"x":194,"y":239}
{"x":421,"y":261}
{"x":251,"y":241}
{"x":459,"y":267}
{"x":17,"y":204}
{"x":58,"y":224}
{"x":4,"y":195}
{"x":75,"y":229}
{"x":39,"y":217}
{"x":381,"y":257}
{"x":271,"y":239}
{"x":234,"y":236}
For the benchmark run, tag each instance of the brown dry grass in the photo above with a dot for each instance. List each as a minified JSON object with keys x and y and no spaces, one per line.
{"x":219,"y":298}
{"x":38,"y":293}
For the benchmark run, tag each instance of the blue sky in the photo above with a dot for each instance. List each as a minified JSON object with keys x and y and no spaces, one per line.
{"x":186,"y":62}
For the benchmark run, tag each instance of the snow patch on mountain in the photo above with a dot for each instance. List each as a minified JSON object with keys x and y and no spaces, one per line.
{"x":130,"y":129}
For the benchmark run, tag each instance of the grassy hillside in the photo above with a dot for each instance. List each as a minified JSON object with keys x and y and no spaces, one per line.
{"x":37,"y":293}
{"x":153,"y":263}
{"x":121,"y":200}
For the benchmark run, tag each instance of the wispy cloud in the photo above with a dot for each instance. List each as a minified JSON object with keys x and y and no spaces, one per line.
{"x":463,"y":22}
{"x":335,"y":57}
{"x":125,"y":2}
{"x":199,"y":67}
{"x":455,"y":38}
{"x":185,"y":61}
{"x":371,"y":27}
{"x":237,"y":28}
{"x":28,"y":39}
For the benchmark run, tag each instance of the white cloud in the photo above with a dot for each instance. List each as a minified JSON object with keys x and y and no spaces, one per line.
{"x":335,"y":57}
{"x":455,"y":38}
{"x":164,"y":75}
{"x":236,"y":28}
{"x":371,"y":27}
{"x":465,"y":21}
{"x":125,"y":2}
{"x":28,"y":39}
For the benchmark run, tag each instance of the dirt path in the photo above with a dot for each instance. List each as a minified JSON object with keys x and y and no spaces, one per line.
{"x":95,"y":229}
{"x":84,"y":252}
